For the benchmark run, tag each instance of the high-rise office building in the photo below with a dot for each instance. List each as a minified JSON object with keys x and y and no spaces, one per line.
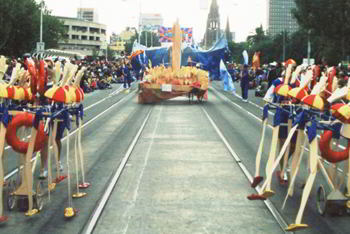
{"x":280,"y":17}
{"x":89,"y":14}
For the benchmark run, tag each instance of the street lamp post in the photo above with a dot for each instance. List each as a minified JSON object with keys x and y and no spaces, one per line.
{"x":284,"y":45}
{"x":308,"y":46}
{"x":41,"y":21}
{"x":139,"y":41}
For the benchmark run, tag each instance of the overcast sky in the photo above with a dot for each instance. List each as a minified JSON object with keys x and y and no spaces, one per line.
{"x":244,"y":15}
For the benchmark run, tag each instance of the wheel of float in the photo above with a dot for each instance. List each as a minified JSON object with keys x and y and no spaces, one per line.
{"x":39,"y":196}
{"x":11,"y":197}
{"x":321,"y":200}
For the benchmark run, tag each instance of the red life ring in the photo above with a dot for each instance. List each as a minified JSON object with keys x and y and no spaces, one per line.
{"x":24,"y":119}
{"x":33,"y":74}
{"x":327,"y":152}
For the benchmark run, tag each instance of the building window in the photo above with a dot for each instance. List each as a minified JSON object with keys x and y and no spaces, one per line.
{"x":84,"y":37}
{"x":75,"y":37}
{"x":91,"y":38}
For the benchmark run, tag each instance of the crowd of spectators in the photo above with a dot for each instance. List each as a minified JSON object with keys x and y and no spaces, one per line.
{"x":99,"y":74}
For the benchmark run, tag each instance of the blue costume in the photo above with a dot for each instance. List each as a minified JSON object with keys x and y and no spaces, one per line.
{"x":127,"y":76}
{"x":245,"y":83}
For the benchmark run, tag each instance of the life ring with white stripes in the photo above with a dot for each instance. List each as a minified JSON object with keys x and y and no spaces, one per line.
{"x":24,"y":119}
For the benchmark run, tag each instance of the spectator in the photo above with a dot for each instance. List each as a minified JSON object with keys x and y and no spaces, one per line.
{"x":245,"y":83}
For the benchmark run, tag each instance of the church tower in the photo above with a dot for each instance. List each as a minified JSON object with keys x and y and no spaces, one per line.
{"x":228,"y":33}
{"x":212,"y":33}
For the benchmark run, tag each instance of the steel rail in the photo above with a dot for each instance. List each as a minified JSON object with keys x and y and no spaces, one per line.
{"x":278,"y":217}
{"x":96,"y":214}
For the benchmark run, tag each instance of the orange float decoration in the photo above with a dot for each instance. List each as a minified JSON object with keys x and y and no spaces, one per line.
{"x":42,"y":78}
{"x":34,"y":76}
{"x":58,"y":94}
{"x":24,"y":119}
{"x":315,"y":101}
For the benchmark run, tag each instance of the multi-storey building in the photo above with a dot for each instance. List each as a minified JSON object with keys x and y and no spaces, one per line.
{"x":83,"y":36}
{"x":118,"y":42}
{"x":89,"y":14}
{"x":280,"y":17}
{"x":151,"y":20}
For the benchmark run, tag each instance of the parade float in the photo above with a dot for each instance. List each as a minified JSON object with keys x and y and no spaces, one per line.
{"x":161,"y":83}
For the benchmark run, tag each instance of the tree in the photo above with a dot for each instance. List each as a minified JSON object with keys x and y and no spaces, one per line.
{"x":328,"y":22}
{"x":20,"y":27}
{"x":236,"y":50}
{"x":152,"y":39}
{"x":258,"y":37}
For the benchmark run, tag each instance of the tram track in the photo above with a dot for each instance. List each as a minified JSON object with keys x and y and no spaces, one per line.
{"x":275,"y":213}
{"x":249,"y":139}
{"x":104,"y":139}
{"x":340,"y":146}
{"x":91,"y":224}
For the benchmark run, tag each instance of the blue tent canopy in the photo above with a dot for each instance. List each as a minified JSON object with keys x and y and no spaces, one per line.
{"x":209,"y":59}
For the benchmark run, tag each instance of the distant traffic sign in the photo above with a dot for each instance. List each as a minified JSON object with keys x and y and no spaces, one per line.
{"x":40,"y":46}
{"x":312,"y":61}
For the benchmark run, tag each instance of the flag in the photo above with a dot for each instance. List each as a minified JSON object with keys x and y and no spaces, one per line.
{"x":245,"y":57}
{"x":226,"y":78}
{"x":256,"y":60}
{"x":166,"y":34}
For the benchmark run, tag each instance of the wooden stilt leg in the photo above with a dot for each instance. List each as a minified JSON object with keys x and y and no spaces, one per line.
{"x":81,"y":157}
{"x":308,"y":187}
{"x":299,"y":150}
{"x":78,"y":194}
{"x":50,"y":184}
{"x":258,"y":178}
{"x":286,"y":154}
{"x":348,"y":173}
{"x":28,"y":173}
{"x":272,"y":157}
{"x":2,"y":145}
{"x":276,"y":162}
{"x":69,"y":211}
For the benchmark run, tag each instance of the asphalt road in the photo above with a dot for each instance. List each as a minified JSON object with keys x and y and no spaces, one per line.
{"x":106,"y":140}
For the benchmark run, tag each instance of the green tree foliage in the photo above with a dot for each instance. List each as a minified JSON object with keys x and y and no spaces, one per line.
{"x":236,"y":51}
{"x":20,"y":27}
{"x":152,"y":39}
{"x":328,"y":22}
